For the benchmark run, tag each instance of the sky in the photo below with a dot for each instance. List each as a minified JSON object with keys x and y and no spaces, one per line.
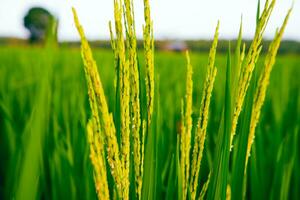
{"x":173,"y":19}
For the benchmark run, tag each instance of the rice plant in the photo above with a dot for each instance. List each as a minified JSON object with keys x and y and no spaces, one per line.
{"x":128,"y":117}
{"x":220,"y":127}
{"x":129,"y":121}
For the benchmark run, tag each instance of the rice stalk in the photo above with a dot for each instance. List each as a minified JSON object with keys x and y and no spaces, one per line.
{"x":263,"y":84}
{"x":107,"y":124}
{"x":96,"y":142}
{"x":98,"y":159}
{"x":228,"y":192}
{"x":124,"y":80}
{"x":249,"y":64}
{"x":149,"y":59}
{"x":186,"y":130}
{"x":203,"y":118}
{"x":204,"y":188}
{"x":134,"y":94}
{"x":219,"y":179}
{"x":149,"y":68}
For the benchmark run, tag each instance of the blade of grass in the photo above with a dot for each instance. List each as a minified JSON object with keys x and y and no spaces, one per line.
{"x":217,"y":189}
{"x":238,"y":172}
{"x":27,"y":186}
{"x":150,"y":166}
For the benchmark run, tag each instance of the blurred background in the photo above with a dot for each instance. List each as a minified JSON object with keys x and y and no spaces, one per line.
{"x":173,"y":19}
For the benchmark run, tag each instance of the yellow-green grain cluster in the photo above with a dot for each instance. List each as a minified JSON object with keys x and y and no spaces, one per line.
{"x":263,"y":84}
{"x":186,"y":128}
{"x":249,"y":65}
{"x":200,"y":133}
{"x":101,"y":128}
{"x":149,"y":58}
{"x":124,"y":80}
{"x":98,"y":103}
{"x":134,"y":93}
{"x":98,"y":161}
{"x":132,"y":125}
{"x":190,"y":174}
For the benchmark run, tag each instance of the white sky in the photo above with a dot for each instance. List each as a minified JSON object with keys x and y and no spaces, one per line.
{"x":173,"y":19}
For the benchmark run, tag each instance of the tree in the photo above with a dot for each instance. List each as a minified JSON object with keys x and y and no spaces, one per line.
{"x":41,"y":24}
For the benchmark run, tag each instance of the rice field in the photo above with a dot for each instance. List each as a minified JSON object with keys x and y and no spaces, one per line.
{"x":144,"y":124}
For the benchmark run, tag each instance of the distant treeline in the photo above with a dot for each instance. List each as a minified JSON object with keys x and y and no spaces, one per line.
{"x":287,"y":46}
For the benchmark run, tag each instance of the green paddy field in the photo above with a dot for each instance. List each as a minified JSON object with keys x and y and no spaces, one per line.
{"x":44,"y":110}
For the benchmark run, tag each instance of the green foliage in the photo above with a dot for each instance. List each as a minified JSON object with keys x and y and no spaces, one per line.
{"x":41,"y":24}
{"x":64,"y":166}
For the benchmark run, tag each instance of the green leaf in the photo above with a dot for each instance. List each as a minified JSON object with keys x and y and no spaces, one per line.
{"x":149,"y":190}
{"x":238,"y":172}
{"x":217,"y":188}
{"x":258,"y":12}
{"x":27,"y":186}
